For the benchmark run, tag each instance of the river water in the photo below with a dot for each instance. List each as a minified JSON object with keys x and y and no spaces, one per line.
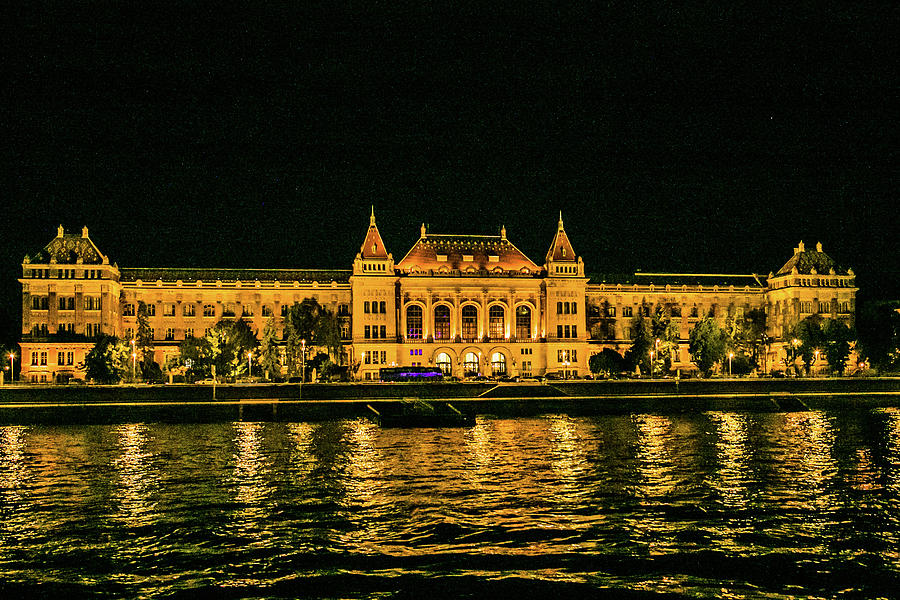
{"x":713,"y":505}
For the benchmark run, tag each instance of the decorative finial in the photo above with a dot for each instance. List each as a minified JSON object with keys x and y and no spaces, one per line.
{"x":503,"y":232}
{"x":818,"y":246}
{"x":801,"y":247}
{"x":372,"y":217}
{"x":60,"y":231}
{"x":423,"y":229}
{"x":560,"y":221}
{"x":84,"y":232}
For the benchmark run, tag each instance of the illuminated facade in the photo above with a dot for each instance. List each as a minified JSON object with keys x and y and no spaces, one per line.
{"x":468,"y":304}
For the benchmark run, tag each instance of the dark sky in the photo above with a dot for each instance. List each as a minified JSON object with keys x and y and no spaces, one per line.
{"x":706,"y":138}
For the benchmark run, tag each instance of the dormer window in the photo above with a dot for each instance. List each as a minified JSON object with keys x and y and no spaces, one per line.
{"x":374,"y":248}
{"x":468,"y":257}
{"x":442,"y":258}
{"x":564,"y":252}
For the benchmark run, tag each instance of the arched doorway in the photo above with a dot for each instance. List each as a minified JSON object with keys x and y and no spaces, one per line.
{"x":470,"y":365}
{"x":444,"y":363}
{"x":498,"y":364}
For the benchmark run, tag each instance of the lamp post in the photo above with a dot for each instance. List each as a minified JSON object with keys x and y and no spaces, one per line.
{"x":651,"y":363}
{"x":303,"y":365}
{"x":249,"y":365}
{"x":817,"y":357}
{"x":133,"y":361}
{"x":362,"y":358}
{"x":730,"y":356}
{"x":12,"y":367}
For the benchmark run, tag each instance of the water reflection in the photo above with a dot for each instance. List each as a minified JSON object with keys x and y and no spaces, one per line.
{"x":567,"y":458}
{"x":251,"y":484}
{"x":13,"y":471}
{"x":892,"y":444}
{"x":654,"y":462}
{"x":733,"y":458}
{"x":138,"y":481}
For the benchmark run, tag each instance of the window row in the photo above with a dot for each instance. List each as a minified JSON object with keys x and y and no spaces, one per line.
{"x":65,"y":303}
{"x":567,"y":356}
{"x":567,"y":331}
{"x":375,"y":331}
{"x":375,"y":307}
{"x":469,"y":328}
{"x":565,"y":308}
{"x":63,"y":274}
{"x":376,"y":357}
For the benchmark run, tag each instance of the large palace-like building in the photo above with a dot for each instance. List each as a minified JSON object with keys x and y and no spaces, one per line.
{"x":464,"y":303}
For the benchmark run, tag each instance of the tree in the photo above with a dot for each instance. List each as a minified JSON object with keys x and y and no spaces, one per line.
{"x":707,"y":344}
{"x":229,"y":343}
{"x":665,"y":330}
{"x":144,"y":341}
{"x":638,"y":355}
{"x":747,"y":335}
{"x":809,"y":332}
{"x":108,"y":360}
{"x":310,"y":321}
{"x":269,"y":352}
{"x":607,"y":363}
{"x":196,"y":352}
{"x":837,"y":337}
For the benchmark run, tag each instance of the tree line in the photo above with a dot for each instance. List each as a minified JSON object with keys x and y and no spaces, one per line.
{"x":311,"y":339}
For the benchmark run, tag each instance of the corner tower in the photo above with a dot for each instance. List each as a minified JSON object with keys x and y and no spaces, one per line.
{"x":373,"y":287}
{"x":566,"y":325}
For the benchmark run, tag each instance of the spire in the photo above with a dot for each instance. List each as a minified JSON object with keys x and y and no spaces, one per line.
{"x":561,"y":249}
{"x":373,"y":246}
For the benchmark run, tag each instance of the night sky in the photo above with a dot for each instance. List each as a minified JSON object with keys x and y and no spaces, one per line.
{"x":709,"y":138}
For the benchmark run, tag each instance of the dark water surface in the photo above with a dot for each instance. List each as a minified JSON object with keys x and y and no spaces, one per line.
{"x":714,"y":505}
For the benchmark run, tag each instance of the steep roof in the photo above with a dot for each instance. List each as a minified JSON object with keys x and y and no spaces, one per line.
{"x":373,"y":246}
{"x":561,"y":248}
{"x":189,"y":275}
{"x":462,"y":253}
{"x":807,"y":260}
{"x":67,"y":249}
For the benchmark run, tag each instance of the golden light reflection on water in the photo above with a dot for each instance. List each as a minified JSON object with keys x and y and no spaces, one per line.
{"x":808,"y":444}
{"x":13,"y":471}
{"x":892,"y":427}
{"x":732,"y":456}
{"x":365,"y":462}
{"x":137,"y":480}
{"x":302,"y":462}
{"x":567,"y":459}
{"x":654,"y":461}
{"x":252,"y":487}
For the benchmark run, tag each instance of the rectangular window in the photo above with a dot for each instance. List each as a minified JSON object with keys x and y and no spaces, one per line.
{"x":188,"y":309}
{"x":566,"y":331}
{"x":34,"y":359}
{"x":611,"y":311}
{"x":574,"y":355}
{"x":266,"y":310}
{"x":559,"y":308}
{"x":246,"y":310}
{"x":43,"y":359}
{"x":383,"y":331}
{"x":574,"y":331}
{"x":382,"y":306}
{"x":168,"y":309}
{"x":574,"y":308}
{"x":383,"y":356}
{"x":559,"y":331}
{"x":366,"y":307}
{"x":170,"y":334}
{"x":228,"y":309}
{"x":70,"y":358}
{"x":188,"y":332}
{"x":128,"y":310}
{"x":60,"y":358}
{"x":152,"y":333}
{"x":209,"y":310}
{"x":151,"y":310}
{"x":367,"y":332}
{"x":368,"y":358}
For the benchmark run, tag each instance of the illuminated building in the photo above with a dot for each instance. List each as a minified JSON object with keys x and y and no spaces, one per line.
{"x":469,"y":304}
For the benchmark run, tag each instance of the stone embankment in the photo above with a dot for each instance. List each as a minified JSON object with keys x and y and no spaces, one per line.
{"x":296,"y":402}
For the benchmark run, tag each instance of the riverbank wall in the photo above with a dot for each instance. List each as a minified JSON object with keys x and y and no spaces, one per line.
{"x":310,"y":402}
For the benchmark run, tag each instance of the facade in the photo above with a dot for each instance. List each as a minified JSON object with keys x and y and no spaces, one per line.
{"x":468,"y":304}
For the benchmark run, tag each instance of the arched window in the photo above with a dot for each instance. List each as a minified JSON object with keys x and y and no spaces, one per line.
{"x":471,"y":364}
{"x":523,"y":322}
{"x":444,"y":363}
{"x":469,"y":322}
{"x":498,"y":363}
{"x":442,"y":322}
{"x":414,"y":322}
{"x":496,"y":325}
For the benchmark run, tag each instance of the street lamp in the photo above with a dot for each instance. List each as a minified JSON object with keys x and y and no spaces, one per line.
{"x":12,"y":367}
{"x":249,"y":365}
{"x":817,"y":357}
{"x":730,"y":356}
{"x":303,"y":365}
{"x":651,"y":363}
{"x":133,"y":360}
